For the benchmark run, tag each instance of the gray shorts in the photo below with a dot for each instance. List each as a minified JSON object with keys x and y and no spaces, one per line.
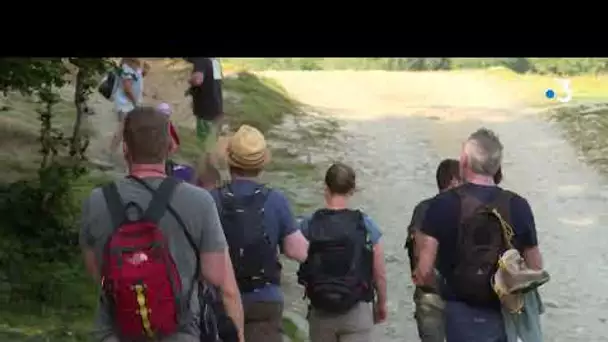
{"x":353,"y":326}
{"x":120,"y":115}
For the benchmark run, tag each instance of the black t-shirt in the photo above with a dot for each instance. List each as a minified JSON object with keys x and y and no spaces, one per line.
{"x":207,"y":100}
{"x":416,"y":224}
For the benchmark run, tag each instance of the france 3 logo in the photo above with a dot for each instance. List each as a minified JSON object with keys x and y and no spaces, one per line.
{"x":564,"y":87}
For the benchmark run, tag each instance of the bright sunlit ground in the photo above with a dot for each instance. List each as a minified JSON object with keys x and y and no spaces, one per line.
{"x":531,"y":88}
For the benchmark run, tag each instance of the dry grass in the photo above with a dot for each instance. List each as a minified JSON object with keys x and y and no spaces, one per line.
{"x":531,"y":88}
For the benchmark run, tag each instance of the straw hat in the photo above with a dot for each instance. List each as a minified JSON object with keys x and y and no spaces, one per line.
{"x":247,"y":149}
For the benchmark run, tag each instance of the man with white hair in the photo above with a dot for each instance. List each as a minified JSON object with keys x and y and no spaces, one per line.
{"x":464,"y":232}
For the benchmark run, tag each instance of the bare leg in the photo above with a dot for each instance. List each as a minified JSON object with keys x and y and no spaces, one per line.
{"x":117,"y":137}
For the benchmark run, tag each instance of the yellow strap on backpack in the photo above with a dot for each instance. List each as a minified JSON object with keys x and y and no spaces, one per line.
{"x":507,"y":230}
{"x":143,"y":311}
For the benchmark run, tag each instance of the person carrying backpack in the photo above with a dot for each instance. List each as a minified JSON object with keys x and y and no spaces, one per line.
{"x":429,"y":306}
{"x":125,"y":87}
{"x":207,"y":98}
{"x":427,"y":298}
{"x":344,"y":274}
{"x":465,"y":232}
{"x":256,"y":221}
{"x":153,"y":243}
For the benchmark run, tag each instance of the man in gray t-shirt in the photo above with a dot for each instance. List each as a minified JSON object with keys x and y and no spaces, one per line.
{"x":147,"y":145}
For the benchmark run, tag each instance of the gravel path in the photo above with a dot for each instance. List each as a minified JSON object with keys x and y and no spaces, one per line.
{"x":398,"y":126}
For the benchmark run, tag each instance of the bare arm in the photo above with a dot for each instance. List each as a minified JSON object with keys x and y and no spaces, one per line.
{"x":427,"y":253}
{"x":90,"y":263}
{"x":217,"y":270}
{"x":533,"y":258}
{"x":85,"y":238}
{"x":127,"y":85}
{"x":215,"y":260}
{"x":197,"y":77}
{"x":380,"y":273}
{"x":145,"y":69}
{"x":295,"y":246}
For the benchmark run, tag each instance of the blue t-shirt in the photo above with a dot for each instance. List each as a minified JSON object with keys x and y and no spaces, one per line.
{"x":121,"y":101}
{"x":372,"y":228}
{"x":443,"y":217}
{"x":279,"y":222}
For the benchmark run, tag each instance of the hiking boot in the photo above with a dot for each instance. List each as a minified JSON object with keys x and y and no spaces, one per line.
{"x":513,"y":302}
{"x":517,"y":277}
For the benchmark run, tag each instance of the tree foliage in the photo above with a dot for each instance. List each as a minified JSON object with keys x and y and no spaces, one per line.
{"x":38,"y":238}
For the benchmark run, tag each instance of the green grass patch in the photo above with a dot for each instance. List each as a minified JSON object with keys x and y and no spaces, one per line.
{"x":260,"y":102}
{"x":257,"y":101}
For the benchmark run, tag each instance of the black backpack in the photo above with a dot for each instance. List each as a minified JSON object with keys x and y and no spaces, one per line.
{"x":481,"y":242}
{"x":110,"y":82}
{"x":338,"y":271}
{"x":253,"y":255}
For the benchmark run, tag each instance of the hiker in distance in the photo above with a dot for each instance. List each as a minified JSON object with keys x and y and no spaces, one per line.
{"x":475,"y":224}
{"x":257,"y":220}
{"x":127,"y":94}
{"x":344,"y":275}
{"x":150,"y":240}
{"x":207,"y":98}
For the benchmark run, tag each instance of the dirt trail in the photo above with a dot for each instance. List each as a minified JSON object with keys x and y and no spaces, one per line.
{"x":399,"y":125}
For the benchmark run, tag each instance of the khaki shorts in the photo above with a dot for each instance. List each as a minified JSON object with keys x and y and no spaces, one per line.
{"x":353,"y":326}
{"x":263,"y":321}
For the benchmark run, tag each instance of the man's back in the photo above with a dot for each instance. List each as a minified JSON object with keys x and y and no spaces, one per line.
{"x":196,"y":209}
{"x":442,"y":222}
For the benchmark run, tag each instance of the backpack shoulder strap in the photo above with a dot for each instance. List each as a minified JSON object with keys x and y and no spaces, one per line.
{"x":363,"y":227}
{"x":160,"y":200}
{"x":226,"y":196}
{"x":115,"y":204}
{"x":261,"y":195}
{"x":226,"y":191}
{"x":468,"y":203}
{"x":502,"y":203}
{"x":501,"y":208}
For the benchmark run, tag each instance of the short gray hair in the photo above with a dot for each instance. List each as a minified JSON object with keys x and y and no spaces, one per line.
{"x":484,"y":152}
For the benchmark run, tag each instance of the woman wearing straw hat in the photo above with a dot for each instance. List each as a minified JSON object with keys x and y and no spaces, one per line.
{"x":256,"y":221}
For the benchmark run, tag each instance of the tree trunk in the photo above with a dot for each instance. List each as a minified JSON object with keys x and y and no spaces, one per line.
{"x":80,"y":103}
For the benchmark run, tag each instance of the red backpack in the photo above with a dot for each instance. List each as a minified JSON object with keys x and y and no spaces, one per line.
{"x":139,"y":276}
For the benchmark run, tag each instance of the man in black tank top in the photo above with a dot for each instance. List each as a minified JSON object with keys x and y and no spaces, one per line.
{"x":429,"y":305}
{"x":206,"y":92}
